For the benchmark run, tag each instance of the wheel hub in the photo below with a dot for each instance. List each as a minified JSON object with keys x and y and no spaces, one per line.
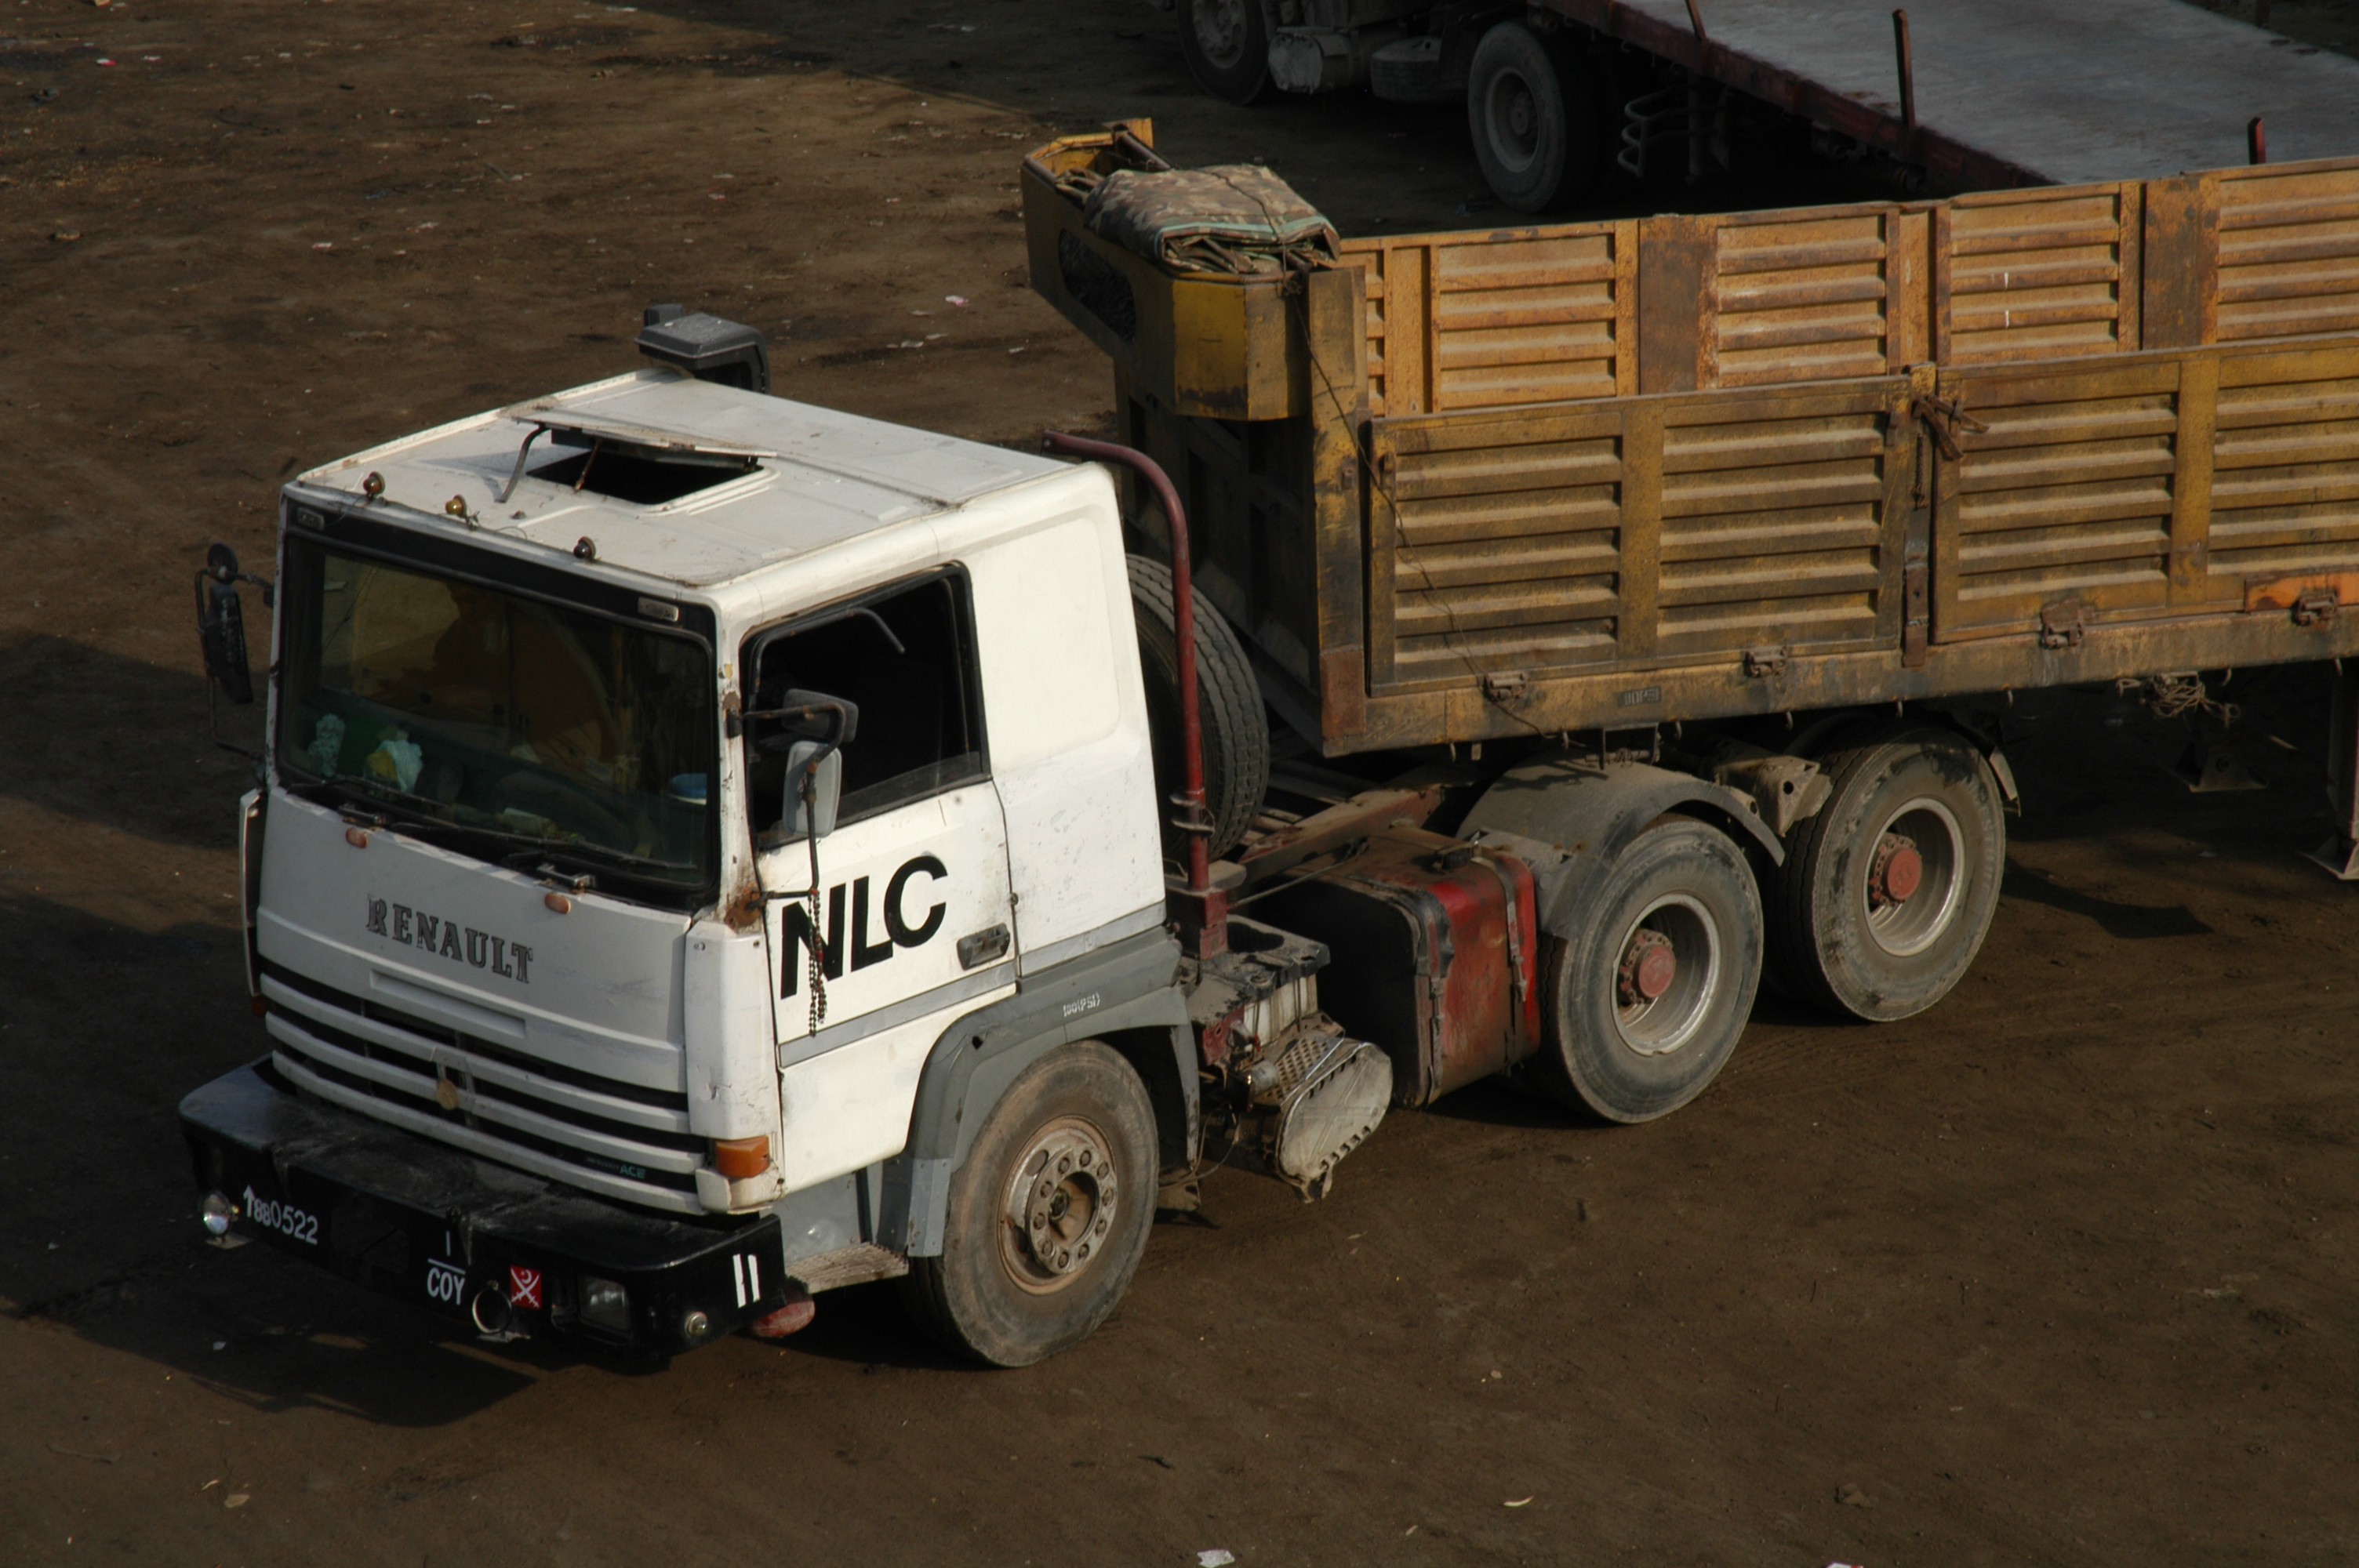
{"x":1061,"y":1205}
{"x":1519,"y":115}
{"x":1897,"y":873}
{"x":1667,"y":975}
{"x":1221,"y":31}
{"x":1649,"y":964}
{"x":1915,"y":880}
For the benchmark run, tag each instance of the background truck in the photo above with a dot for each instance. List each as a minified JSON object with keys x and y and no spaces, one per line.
{"x":1568,"y":100}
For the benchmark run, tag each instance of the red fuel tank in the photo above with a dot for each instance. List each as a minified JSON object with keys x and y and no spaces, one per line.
{"x":1434,"y":956}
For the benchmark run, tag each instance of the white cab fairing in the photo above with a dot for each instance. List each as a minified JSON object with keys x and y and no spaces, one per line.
{"x":1068,"y":735}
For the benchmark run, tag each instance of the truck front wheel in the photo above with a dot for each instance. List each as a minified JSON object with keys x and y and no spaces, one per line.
{"x":1647,"y":1000}
{"x":1048,"y":1216}
{"x":1887,"y":893}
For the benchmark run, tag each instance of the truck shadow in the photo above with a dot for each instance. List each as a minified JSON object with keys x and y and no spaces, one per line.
{"x":2125,"y":921}
{"x":72,"y":709}
{"x":104,"y":1026}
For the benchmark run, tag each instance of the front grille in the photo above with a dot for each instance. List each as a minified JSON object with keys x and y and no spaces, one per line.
{"x":547,"y":1113}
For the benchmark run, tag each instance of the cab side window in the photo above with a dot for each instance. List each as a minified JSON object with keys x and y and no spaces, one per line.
{"x":905,"y":660}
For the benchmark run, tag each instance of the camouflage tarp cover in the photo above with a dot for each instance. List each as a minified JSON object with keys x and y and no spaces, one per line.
{"x":1236,"y":218}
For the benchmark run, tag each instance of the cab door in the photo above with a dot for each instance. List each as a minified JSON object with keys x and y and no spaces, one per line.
{"x":908,"y":923}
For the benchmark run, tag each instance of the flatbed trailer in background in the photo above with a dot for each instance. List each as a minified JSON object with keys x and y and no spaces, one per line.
{"x":1562,"y":96}
{"x":2006,"y":92}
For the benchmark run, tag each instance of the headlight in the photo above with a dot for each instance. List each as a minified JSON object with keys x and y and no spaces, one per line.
{"x":218,"y":1211}
{"x":605,"y":1304}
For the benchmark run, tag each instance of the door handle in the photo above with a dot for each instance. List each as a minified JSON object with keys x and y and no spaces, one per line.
{"x":983,"y":948}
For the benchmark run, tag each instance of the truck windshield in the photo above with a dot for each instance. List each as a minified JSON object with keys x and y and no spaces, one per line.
{"x":505,"y":727}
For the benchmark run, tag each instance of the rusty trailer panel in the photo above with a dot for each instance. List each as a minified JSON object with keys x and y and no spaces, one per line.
{"x":1489,"y":321}
{"x":1634,"y":532}
{"x":2047,"y":274}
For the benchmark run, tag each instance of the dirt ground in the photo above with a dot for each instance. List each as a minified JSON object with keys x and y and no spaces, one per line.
{"x":2062,"y":1272}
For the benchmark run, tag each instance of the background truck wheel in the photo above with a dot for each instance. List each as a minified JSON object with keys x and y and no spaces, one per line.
{"x":1646,"y":1003}
{"x":1886,"y":894}
{"x":1237,"y":731}
{"x":1227,"y":46}
{"x":1048,"y":1214}
{"x":1538,"y":115}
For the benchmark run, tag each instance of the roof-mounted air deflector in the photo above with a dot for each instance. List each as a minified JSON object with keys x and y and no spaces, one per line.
{"x":707,"y":347}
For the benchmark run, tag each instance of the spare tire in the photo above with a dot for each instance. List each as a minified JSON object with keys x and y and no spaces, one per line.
{"x":1228,"y":703}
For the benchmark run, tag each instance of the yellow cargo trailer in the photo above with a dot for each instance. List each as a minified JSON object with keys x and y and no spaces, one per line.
{"x":1464,"y":486}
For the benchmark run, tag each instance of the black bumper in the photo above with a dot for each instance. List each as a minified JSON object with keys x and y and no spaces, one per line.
{"x":496,"y":1249}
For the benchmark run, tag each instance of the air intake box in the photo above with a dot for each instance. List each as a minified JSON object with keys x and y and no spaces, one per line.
{"x":708,"y":347}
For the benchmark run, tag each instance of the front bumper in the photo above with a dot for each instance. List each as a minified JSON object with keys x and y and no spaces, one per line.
{"x":504,"y":1253}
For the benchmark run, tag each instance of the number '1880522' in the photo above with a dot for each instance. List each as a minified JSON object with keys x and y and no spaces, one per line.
{"x":298,"y":1225}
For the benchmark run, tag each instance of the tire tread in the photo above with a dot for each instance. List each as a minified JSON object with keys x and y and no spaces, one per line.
{"x":1236,"y":729}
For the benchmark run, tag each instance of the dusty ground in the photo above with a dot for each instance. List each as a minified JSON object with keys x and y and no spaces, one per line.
{"x":2062,"y":1272}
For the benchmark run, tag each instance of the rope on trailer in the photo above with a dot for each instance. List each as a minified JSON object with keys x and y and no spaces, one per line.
{"x":2178,"y":696}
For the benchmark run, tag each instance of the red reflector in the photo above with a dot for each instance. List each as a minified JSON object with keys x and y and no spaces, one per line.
{"x":790,"y":1318}
{"x":261,"y":1007}
{"x":738,"y":1158}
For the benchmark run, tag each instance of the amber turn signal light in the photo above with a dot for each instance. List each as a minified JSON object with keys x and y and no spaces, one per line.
{"x":741,"y":1158}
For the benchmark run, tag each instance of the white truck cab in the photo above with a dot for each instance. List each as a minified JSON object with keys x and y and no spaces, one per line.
{"x":533,"y":875}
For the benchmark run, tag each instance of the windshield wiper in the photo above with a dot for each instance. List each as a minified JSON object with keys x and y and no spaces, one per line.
{"x":425,"y":807}
{"x":531,"y":844}
{"x":590,"y":850}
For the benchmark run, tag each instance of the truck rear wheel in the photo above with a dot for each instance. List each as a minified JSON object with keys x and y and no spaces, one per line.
{"x":1887,"y":893}
{"x":1538,"y":118}
{"x":1227,"y":46}
{"x":1645,"y":1004}
{"x":1237,"y":731}
{"x":1049,"y":1215}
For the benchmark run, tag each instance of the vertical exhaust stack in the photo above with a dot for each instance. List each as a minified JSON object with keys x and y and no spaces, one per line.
{"x":709,"y":348}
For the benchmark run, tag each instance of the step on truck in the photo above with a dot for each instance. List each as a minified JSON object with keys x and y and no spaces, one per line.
{"x":710,"y":849}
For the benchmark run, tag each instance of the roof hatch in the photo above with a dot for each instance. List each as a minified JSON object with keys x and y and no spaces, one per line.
{"x":644,"y":464}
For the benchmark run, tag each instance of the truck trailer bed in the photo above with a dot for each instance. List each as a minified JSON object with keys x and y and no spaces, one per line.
{"x":1468,"y":486}
{"x":2011,"y":92}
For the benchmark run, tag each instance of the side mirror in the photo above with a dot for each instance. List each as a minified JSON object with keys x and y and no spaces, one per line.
{"x":812,"y":728}
{"x":814,"y":786}
{"x":221,"y":625}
